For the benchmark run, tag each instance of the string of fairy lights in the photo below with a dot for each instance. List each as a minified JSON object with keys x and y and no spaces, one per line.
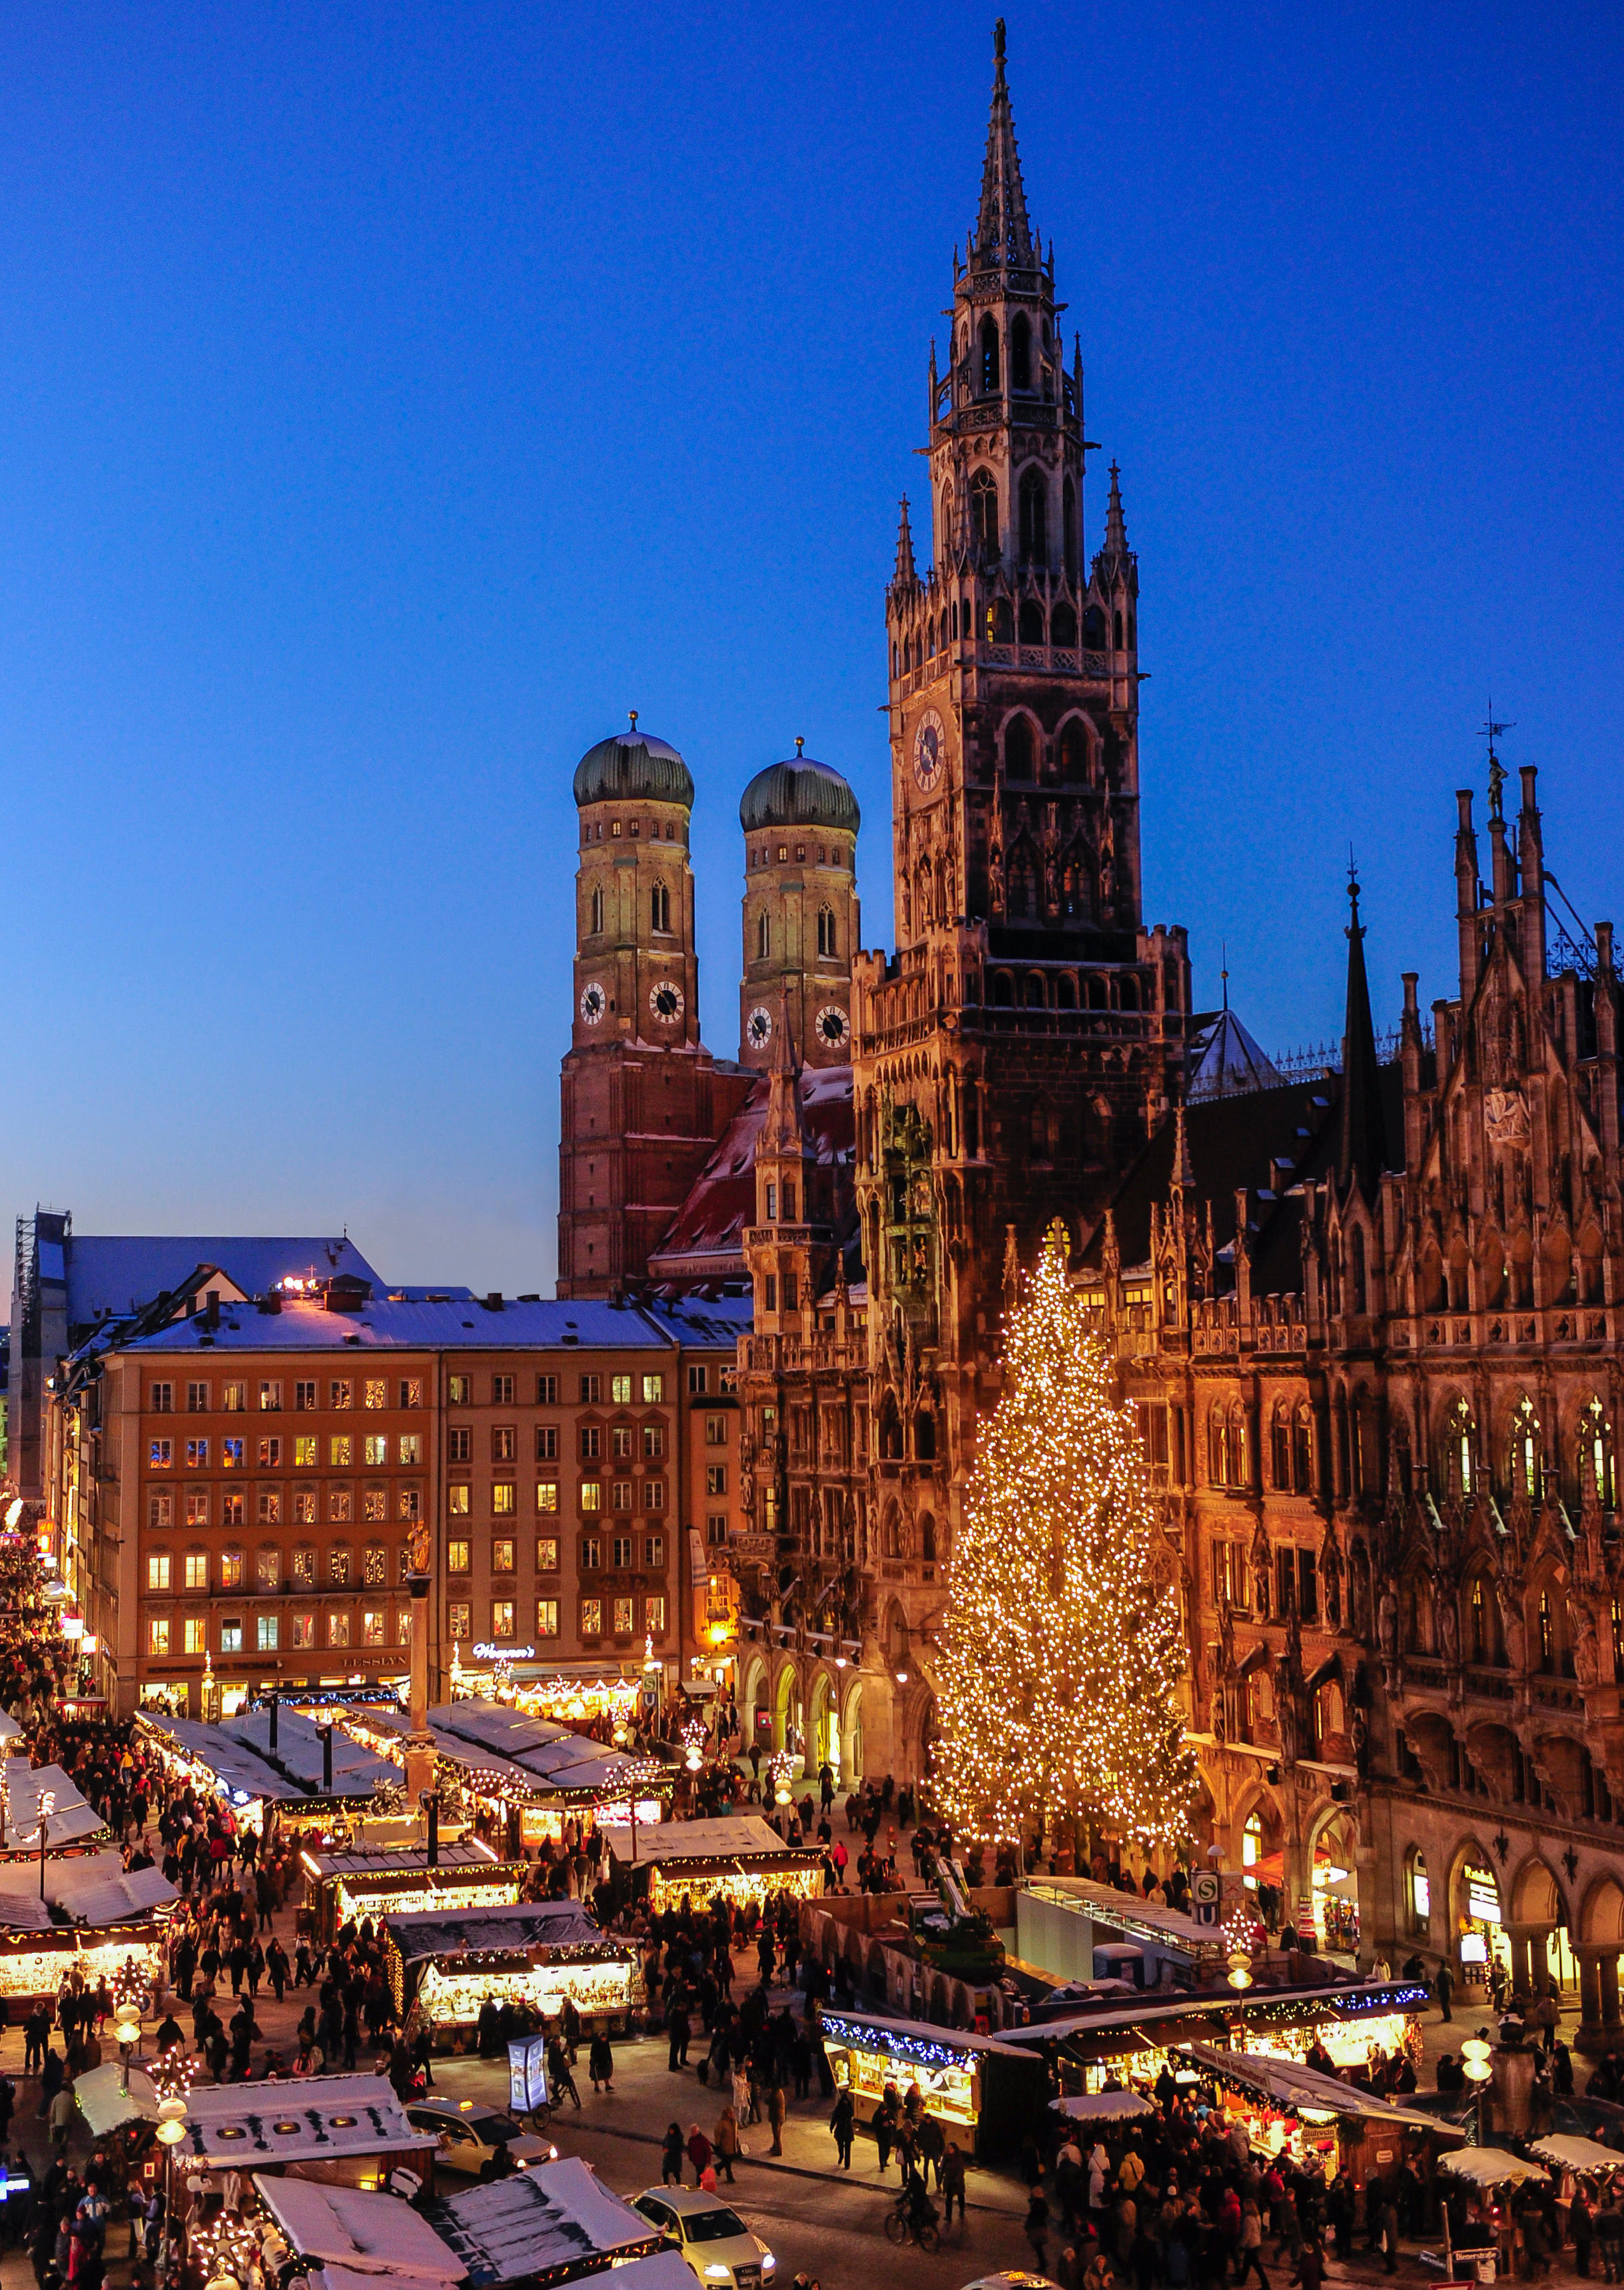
{"x":1060,"y":1654}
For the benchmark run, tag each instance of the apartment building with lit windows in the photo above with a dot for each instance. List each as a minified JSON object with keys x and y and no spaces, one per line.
{"x":264,"y":1465}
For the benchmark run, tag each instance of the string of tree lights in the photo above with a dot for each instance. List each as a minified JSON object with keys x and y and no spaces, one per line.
{"x":1060,"y":1650}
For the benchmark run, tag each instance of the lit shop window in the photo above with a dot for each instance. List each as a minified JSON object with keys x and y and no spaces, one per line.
{"x":158,"y":1634}
{"x":338,"y":1630}
{"x":547,"y":1554}
{"x":546,"y":1618}
{"x":268,"y":1631}
{"x":458,"y":1559}
{"x":157,"y":1570}
{"x":502,"y":1618}
{"x":375,"y":1393}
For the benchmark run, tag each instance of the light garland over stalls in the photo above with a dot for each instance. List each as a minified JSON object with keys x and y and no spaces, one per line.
{"x":1061,"y":1653}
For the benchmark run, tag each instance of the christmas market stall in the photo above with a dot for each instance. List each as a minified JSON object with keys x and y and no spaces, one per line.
{"x":399,"y":1881}
{"x":342,"y":2130}
{"x":1286,"y":2108}
{"x":96,"y":1918}
{"x":976,"y":2087}
{"x":311,"y":1780}
{"x":28,"y":1792}
{"x":545,"y":2226}
{"x":736,"y":1857}
{"x":356,"y":2237}
{"x":447,"y":1964}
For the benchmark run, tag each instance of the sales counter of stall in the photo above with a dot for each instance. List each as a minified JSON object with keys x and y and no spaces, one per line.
{"x":736,"y":1857}
{"x":95,"y":1918}
{"x":446,"y":1965}
{"x":982,"y":2090}
{"x":401,"y":1880}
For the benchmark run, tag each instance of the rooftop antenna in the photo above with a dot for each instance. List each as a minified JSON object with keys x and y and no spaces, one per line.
{"x":1224,"y":973}
{"x":1497,"y":771}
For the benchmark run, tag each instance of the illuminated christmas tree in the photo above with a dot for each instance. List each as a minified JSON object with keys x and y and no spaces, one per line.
{"x":1061,"y":1646}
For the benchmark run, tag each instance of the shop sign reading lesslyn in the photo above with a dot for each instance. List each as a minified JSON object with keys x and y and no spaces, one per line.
{"x":485,"y":1650}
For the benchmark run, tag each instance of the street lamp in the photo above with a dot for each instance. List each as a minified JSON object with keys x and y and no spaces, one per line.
{"x":127,"y":2033}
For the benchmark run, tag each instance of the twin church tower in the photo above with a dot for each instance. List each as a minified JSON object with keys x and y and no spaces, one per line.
{"x":1008,"y":1061}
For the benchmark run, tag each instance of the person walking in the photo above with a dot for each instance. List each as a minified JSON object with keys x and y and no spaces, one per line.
{"x":1445,"y":1988}
{"x":671,"y":2157}
{"x":1036,"y":2231}
{"x":600,"y":2060}
{"x":1250,"y":2246}
{"x":699,"y":2152}
{"x":842,"y":2123}
{"x":775,"y":2116}
{"x":951,"y":2181}
{"x":725,"y":2143}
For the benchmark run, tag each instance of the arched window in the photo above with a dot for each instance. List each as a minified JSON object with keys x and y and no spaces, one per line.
{"x":1525,"y":1475}
{"x":1068,"y":527}
{"x":1547,"y":1622}
{"x":1022,"y":890}
{"x":763,"y":937}
{"x":927,"y":1525}
{"x":1094,"y":629}
{"x":1480,"y":1635}
{"x":1063,"y":627}
{"x":1037,"y":1000}
{"x":1596,"y":1455}
{"x":1003,"y":990}
{"x":1034,"y":519}
{"x":1017,"y":747}
{"x":597,"y":912}
{"x":826,"y":930}
{"x":1280,"y":1447}
{"x":989,"y":356}
{"x":1021,"y":352}
{"x":1001,"y":621}
{"x":1459,"y":1450}
{"x":1073,"y":751}
{"x":660,"y":908}
{"x":1356,"y":1303}
{"x":984,"y":513}
{"x":1031,"y":621}
{"x":924,"y":1436}
{"x":1302,"y":1448}
{"x":1251,"y":1851}
{"x":1128,"y":997}
{"x":1066,"y":992}
{"x":1117,"y":626}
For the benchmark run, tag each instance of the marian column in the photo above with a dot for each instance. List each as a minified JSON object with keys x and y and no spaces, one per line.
{"x":419,"y":1742}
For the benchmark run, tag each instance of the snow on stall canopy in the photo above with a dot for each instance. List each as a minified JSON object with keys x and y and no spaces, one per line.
{"x":345,"y":2227}
{"x":552,"y":1756}
{"x":556,"y":2214}
{"x":424,"y":1933}
{"x":729,"y":1836}
{"x":93,"y":1888}
{"x":355,"y":1772}
{"x":317,"y":2119}
{"x":70,"y":1821}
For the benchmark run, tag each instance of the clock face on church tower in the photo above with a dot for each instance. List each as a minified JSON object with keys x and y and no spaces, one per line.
{"x":930,"y":751}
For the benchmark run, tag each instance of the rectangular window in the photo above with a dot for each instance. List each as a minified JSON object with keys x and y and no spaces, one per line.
{"x":715,"y":1431}
{"x":653,"y":1550}
{"x":160,"y":1454}
{"x":338,"y":1630}
{"x":547,"y":1391}
{"x":620,"y":1442}
{"x":374,"y":1625}
{"x":231,"y":1634}
{"x":270,"y":1455}
{"x":409,"y":1501}
{"x":374,"y":1565}
{"x":197,"y":1454}
{"x":197,"y":1507}
{"x":339,"y":1447}
{"x":622,"y":1617}
{"x":195,"y":1635}
{"x":502,"y":1560}
{"x":305,"y":1451}
{"x":374,"y":1503}
{"x":304,"y":1396}
{"x":546,"y":1618}
{"x":161,"y":1511}
{"x":716,"y":1528}
{"x":337,"y":1565}
{"x":458,"y":1443}
{"x":653,"y":1441}
{"x":340,"y":1503}
{"x":501,"y":1391}
{"x":163,"y":1398}
{"x":230,"y":1570}
{"x":590,"y":1549}
{"x":716,"y":1479}
{"x":591,"y":1494}
{"x":621,"y":1551}
{"x":653,"y":1390}
{"x":412,"y":1391}
{"x":546,"y":1442}
{"x":271,"y":1506}
{"x":375,"y":1392}
{"x":769,"y":1298}
{"x":654,"y":1617}
{"x":620,"y":1390}
{"x":1285,"y":1570}
{"x":790,"y":1292}
{"x":410,"y":1447}
{"x":458,"y":1559}
{"x":591,"y":1442}
{"x":304,"y":1565}
{"x":403,"y":1625}
{"x":268,"y":1633}
{"x":197,"y":1398}
{"x":504,"y":1443}
{"x":340,"y":1392}
{"x":267,"y":1568}
{"x":157,"y":1570}
{"x":621,"y":1495}
{"x":301,"y":1630}
{"x":699,"y":1382}
{"x":270,"y":1398}
{"x":234,"y":1399}
{"x":504,"y":1499}
{"x":158,"y":1634}
{"x":232,"y":1509}
{"x":375,"y":1449}
{"x":458,"y":1390}
{"x":547,"y":1554}
{"x":546,"y":1494}
{"x":304,"y":1506}
{"x":457,"y":1616}
{"x":457,"y":1499}
{"x":592,"y":1618}
{"x":1307,"y":1588}
{"x":591,"y":1390}
{"x":232,"y":1454}
{"x":653,"y":1494}
{"x":502,"y":1618}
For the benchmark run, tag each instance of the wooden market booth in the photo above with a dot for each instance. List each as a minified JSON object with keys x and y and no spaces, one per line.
{"x":1293,"y":2109}
{"x":399,"y":1880}
{"x":447,"y":1964}
{"x":737,"y":1857}
{"x":982,"y":2090}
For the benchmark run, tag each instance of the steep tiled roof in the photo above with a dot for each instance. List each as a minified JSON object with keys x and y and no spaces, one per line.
{"x":706,"y":1234}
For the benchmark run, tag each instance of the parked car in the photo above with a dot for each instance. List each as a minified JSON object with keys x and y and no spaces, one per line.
{"x":714,"y":2240}
{"x":477,"y":2138}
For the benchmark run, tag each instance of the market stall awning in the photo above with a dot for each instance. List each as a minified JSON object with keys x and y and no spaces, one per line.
{"x":528,"y":1923}
{"x":237,"y":1768}
{"x":1572,"y":2153}
{"x":357,"y":1772}
{"x":878,"y":2029}
{"x":1489,"y":2166}
{"x":105,"y":2104}
{"x":314,"y":2120}
{"x":389,"y":1861}
{"x":71,"y":1820}
{"x":729,"y":1836}
{"x":366,"y":2234}
{"x":1103,"y":2106}
{"x":559,"y":2214}
{"x":554,"y":1756}
{"x":92,"y":1888}
{"x":662,"y":2269}
{"x":1297,"y":2090}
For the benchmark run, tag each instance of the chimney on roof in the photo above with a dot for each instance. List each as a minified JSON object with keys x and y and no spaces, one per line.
{"x":494,"y":1301}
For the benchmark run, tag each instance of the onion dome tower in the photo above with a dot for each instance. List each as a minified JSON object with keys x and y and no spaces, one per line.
{"x":800,"y":921}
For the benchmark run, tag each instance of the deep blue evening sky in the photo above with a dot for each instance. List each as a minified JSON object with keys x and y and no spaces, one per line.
{"x":394,"y":395}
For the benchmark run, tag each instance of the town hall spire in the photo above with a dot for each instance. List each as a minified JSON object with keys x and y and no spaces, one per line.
{"x":1362,"y":1144}
{"x":1002,"y":234}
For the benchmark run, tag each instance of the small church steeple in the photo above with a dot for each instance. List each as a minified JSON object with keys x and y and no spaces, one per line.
{"x":1362,"y":1141}
{"x":907,"y":575}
